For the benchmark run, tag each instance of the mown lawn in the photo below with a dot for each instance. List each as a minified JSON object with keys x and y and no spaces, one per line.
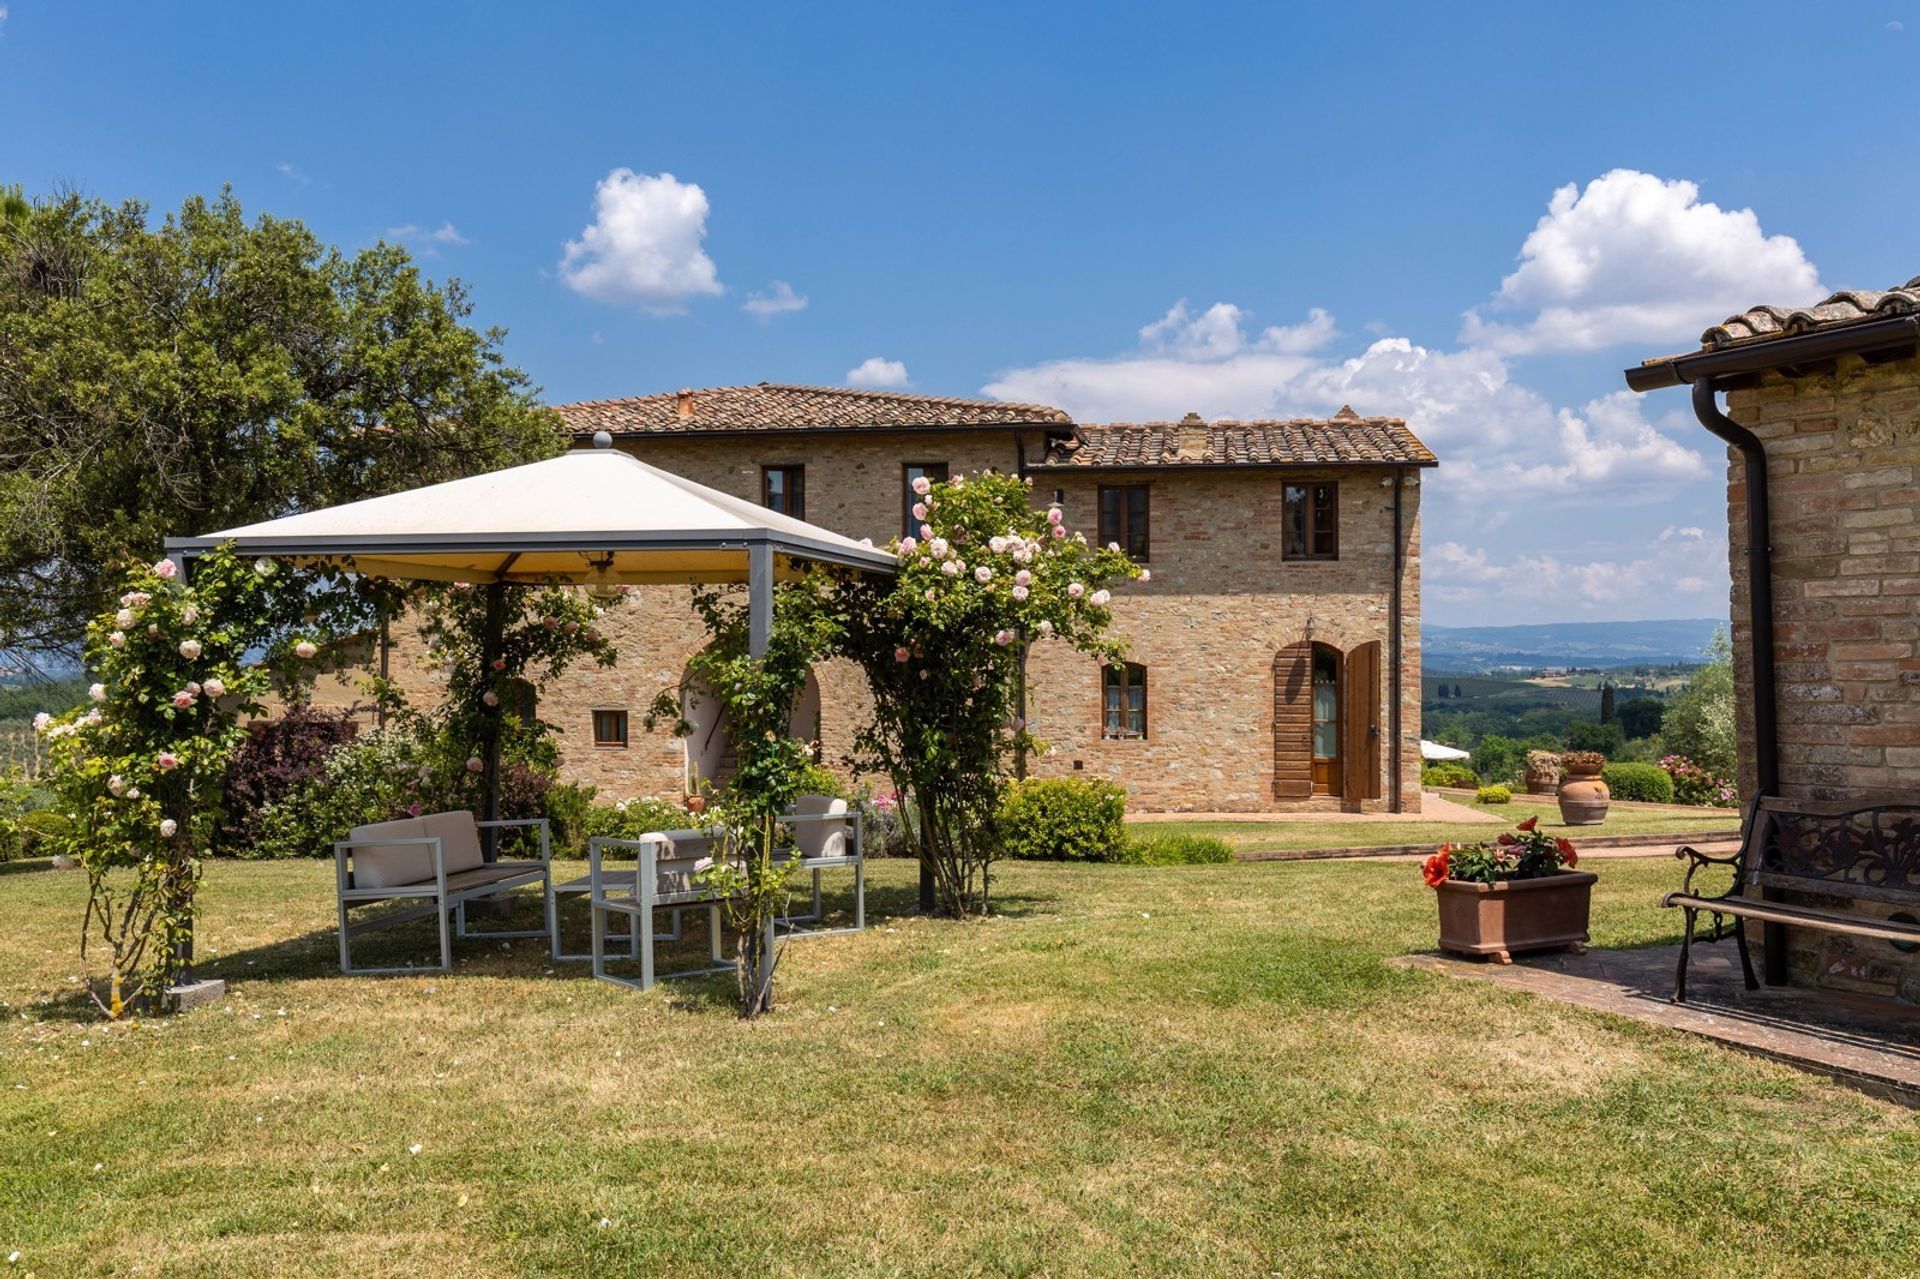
{"x":1295,"y":835}
{"x":1183,"y":1071}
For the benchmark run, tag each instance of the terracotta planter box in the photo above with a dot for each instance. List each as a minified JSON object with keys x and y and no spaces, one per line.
{"x":1518,"y":915}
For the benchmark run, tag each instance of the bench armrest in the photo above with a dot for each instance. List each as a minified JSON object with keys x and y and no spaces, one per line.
{"x":1698,"y":861}
{"x":545,"y":826}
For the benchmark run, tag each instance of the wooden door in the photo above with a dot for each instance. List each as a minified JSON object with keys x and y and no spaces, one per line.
{"x":1293,"y":722}
{"x":1360,"y":722}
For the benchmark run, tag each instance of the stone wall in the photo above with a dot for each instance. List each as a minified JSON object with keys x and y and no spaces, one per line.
{"x":1843,"y":474}
{"x":1207,"y":627}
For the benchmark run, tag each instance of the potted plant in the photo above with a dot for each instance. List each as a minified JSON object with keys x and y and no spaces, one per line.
{"x":1583,"y":796}
{"x":1543,"y":772}
{"x":1518,"y":893}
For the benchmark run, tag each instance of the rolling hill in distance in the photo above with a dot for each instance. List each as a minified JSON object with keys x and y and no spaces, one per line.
{"x":1602,"y":644}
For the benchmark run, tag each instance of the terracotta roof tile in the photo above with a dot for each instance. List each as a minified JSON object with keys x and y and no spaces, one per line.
{"x":1851,"y":306}
{"x":772,"y":407}
{"x":1346,"y":439}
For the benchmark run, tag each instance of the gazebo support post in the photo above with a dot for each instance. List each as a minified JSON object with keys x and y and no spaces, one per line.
{"x":759,"y":599}
{"x":491,"y":643}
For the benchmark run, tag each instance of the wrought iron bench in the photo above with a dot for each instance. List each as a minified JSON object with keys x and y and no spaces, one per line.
{"x":1862,"y":854}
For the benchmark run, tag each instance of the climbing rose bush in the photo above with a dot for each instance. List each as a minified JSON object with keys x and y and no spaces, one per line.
{"x":140,"y":764}
{"x":944,"y":644}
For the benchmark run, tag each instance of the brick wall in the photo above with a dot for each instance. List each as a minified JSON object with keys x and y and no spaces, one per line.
{"x":1843,"y":474}
{"x":1207,"y":627}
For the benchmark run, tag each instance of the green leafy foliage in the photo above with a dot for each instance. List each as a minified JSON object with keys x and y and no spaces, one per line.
{"x":632,"y":818}
{"x":1448,"y":773}
{"x":1067,"y":819}
{"x":1699,"y":724}
{"x":943,"y":647}
{"x":1174,"y":848}
{"x":1641,"y":716}
{"x":1605,"y":739}
{"x":209,"y":372}
{"x":1647,"y":783}
{"x":1493,"y":795}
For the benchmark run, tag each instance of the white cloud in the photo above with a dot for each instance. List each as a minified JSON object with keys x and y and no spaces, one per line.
{"x":876,"y":374}
{"x":1671,"y":576}
{"x":286,"y":167}
{"x":1635,"y":258}
{"x":643,"y":248}
{"x":779,"y":299}
{"x":1187,"y":363}
{"x":425,"y":242}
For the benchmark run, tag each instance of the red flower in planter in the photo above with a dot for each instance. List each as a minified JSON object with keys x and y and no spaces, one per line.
{"x":1434,"y":869}
{"x":1568,"y":853}
{"x":1529,"y":824}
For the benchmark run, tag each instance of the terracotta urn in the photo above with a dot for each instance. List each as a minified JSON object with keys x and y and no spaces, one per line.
{"x":1583,"y":796}
{"x":1543,"y":773}
{"x":1504,"y":919}
{"x":696,"y":804}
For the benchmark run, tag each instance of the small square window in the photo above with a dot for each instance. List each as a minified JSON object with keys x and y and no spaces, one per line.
{"x":1311,"y":516}
{"x":932,"y":473}
{"x":784,"y":489}
{"x":609,"y":728}
{"x":1123,"y":701}
{"x":1123,"y":518}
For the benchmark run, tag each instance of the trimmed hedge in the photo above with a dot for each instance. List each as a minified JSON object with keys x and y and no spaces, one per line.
{"x":1648,"y":783}
{"x":1493,"y":795}
{"x":1449,"y":773}
{"x":1064,"y":819}
{"x":1174,"y":849}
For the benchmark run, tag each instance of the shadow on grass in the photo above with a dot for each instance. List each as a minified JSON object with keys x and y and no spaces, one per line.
{"x":26,"y":865}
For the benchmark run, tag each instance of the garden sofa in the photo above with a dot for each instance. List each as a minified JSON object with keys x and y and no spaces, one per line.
{"x":436,"y":858}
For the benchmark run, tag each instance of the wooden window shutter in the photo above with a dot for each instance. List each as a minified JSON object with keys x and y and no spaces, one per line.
{"x":1360,"y":723}
{"x":1293,"y":722}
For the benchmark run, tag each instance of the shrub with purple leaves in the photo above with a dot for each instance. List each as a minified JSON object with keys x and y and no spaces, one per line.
{"x":276,"y":758}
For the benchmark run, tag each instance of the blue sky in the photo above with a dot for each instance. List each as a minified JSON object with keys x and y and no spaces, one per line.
{"x":1131,"y":211}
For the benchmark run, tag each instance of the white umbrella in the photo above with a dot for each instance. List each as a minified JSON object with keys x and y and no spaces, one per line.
{"x":1434,"y":750}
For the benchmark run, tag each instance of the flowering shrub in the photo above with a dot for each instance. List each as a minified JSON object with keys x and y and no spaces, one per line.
{"x":943,"y":647}
{"x":1530,"y":854}
{"x":140,"y":764}
{"x":1694,"y":784}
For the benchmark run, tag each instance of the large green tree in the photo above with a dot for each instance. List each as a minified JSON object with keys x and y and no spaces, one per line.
{"x":210,"y":371}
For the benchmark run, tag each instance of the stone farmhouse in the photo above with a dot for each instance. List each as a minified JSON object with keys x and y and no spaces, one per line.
{"x":1273,"y":659}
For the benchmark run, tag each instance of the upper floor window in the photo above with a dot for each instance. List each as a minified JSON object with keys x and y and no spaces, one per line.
{"x":609,"y":728}
{"x":1312,"y":522}
{"x":932,"y":473}
{"x":1123,"y":689}
{"x":1123,"y":518}
{"x":784,"y":489}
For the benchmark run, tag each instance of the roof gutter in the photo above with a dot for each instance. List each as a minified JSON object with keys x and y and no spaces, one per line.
{"x":1867,"y":338}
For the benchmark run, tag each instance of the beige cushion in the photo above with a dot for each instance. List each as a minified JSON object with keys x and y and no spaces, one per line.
{"x":680,"y":856}
{"x":459,"y":836}
{"x":815,"y":838}
{"x":383,"y":866}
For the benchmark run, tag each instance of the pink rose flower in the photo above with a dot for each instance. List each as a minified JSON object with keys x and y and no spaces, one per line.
{"x":41,"y":721}
{"x":413,"y":810}
{"x":571,"y":628}
{"x":1059,"y":531}
{"x":1023,"y":578}
{"x":117,"y":638}
{"x":906,"y":546}
{"x":1045,"y":627}
{"x":165,"y":570}
{"x":1146,"y":575}
{"x":116,"y":785}
{"x":305,"y":650}
{"x":983,"y":574}
{"x":1003,"y":638}
{"x":929,"y":594}
{"x":166,"y":761}
{"x":919,"y":510}
{"x":182,"y":700}
{"x":1020,"y":592}
{"x":190,"y":649}
{"x":1101,"y":596}
{"x":214,"y":688}
{"x":490,"y":697}
{"x":123,"y":619}
{"x":474,"y":765}
{"x":1053,"y":515}
{"x":901,"y":654}
{"x":1075,"y":590}
{"x":951,"y":568}
{"x":133,"y":792}
{"x":551,"y":623}
{"x":921,"y":484}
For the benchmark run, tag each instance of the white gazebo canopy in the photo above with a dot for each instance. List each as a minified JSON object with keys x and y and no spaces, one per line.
{"x":595,"y":517}
{"x":1434,"y":750}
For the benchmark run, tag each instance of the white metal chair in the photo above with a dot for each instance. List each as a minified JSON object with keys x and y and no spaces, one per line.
{"x":664,"y":876}
{"x":435,"y":857}
{"x":826,"y":835}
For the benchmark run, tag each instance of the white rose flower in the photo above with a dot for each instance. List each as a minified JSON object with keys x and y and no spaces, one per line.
{"x":98,"y":692}
{"x":167,"y":828}
{"x":123,"y":619}
{"x":305,"y":650}
{"x":190,"y":649}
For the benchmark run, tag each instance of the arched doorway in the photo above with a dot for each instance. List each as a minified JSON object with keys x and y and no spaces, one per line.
{"x":710,"y":754}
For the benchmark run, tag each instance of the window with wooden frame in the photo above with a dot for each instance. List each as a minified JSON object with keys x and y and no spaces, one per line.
{"x":610,"y":728}
{"x":1123,"y":518}
{"x":932,"y":473}
{"x":784,"y":489}
{"x":1311,"y":515}
{"x":1123,"y":701}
